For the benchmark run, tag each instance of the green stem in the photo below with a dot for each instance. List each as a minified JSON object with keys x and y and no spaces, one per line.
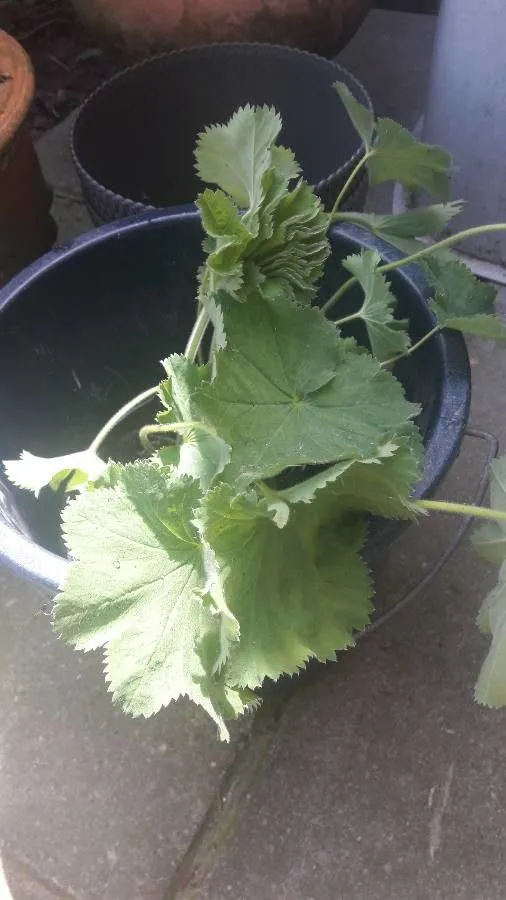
{"x":462,"y":509}
{"x":126,"y":410}
{"x":446,"y":242}
{"x":414,"y":257}
{"x":172,"y":428}
{"x":349,"y":181}
{"x":413,"y":348}
{"x":350,"y":318}
{"x":198,"y":332}
{"x":354,"y":218}
{"x":338,"y":294}
{"x":136,"y":402}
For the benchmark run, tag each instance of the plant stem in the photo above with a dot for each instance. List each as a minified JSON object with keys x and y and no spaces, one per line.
{"x":354,"y":218}
{"x":198,"y":332}
{"x":122,"y":413}
{"x":349,"y":181}
{"x":136,"y":402}
{"x":413,"y":348}
{"x":414,"y":257}
{"x":446,"y":242}
{"x":462,"y":509}
{"x":172,"y":428}
{"x":338,"y":294}
{"x":350,"y":318}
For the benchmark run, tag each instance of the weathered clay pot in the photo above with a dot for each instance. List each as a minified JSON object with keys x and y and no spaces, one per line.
{"x":26,"y":227}
{"x":321,"y":26}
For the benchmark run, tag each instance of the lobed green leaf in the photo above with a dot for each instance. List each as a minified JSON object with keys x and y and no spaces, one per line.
{"x":398,"y":156}
{"x":394,"y":154}
{"x":73,"y":470}
{"x":414,"y":223}
{"x":235,"y":156}
{"x":271,"y":577}
{"x":361,"y":117}
{"x":388,"y":336}
{"x":289,"y":392}
{"x":137,"y":585}
{"x":462,"y":301}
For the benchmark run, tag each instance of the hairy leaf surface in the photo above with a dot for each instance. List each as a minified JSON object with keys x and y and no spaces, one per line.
{"x":273,"y":576}
{"x":201,"y":455}
{"x":235,"y":156}
{"x":138,"y":587}
{"x":288,"y":392}
{"x":382,"y":485}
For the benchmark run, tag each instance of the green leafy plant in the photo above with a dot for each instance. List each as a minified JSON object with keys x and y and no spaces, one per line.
{"x":230,"y":551}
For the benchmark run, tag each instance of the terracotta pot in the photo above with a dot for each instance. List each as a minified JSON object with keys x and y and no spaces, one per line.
{"x":26,"y":227}
{"x":321,"y":26}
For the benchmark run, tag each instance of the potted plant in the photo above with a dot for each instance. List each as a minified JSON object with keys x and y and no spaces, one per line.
{"x":323,"y":27}
{"x":226,"y":547}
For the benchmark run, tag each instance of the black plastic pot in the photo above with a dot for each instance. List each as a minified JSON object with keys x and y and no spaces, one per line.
{"x":82,"y":331}
{"x":134,"y":138}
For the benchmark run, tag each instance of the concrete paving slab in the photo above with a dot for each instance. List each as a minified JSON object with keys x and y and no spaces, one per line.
{"x":72,"y":218}
{"x":93,"y":801}
{"x":387,"y":780}
{"x":69,"y":209}
{"x":19,"y":882}
{"x":93,"y":805}
{"x":56,"y":161}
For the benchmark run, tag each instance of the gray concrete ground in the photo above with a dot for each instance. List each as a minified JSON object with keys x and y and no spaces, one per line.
{"x":376,"y":779}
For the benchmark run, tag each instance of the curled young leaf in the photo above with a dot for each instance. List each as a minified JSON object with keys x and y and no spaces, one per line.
{"x":222,"y":221}
{"x":262,"y":234}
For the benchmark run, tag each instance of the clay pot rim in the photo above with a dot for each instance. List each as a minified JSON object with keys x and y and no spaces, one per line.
{"x":199,"y":48}
{"x":16,"y":93}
